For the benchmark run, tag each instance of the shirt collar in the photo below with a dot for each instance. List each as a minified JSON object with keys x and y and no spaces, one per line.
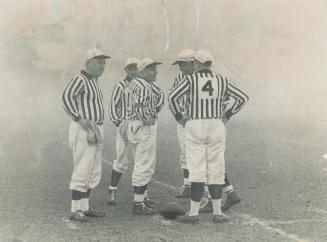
{"x":87,"y":75}
{"x":204,"y":71}
{"x":127,"y":79}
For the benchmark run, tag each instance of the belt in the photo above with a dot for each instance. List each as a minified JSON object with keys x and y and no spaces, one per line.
{"x":97,"y":122}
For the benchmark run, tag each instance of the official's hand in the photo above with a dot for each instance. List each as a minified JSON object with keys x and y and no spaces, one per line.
{"x":136,"y":127}
{"x":118,"y":124}
{"x":226,"y":116}
{"x":183,"y":121}
{"x":85,"y":123}
{"x":150,"y":121}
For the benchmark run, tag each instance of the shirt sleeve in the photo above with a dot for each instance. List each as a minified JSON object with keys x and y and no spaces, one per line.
{"x":175,"y":94}
{"x":74,"y":88}
{"x":115,"y":108}
{"x":240,"y":97}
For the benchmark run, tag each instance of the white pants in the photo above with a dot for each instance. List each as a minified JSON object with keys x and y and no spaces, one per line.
{"x":123,"y":150}
{"x":144,"y":150}
{"x":205,"y":148}
{"x":181,"y":140}
{"x":87,"y":159}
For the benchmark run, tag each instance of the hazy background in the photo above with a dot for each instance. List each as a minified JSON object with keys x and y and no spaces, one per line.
{"x":275,"y":50}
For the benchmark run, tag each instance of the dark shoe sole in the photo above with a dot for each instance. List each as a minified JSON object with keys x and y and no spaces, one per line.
{"x":228,"y":205}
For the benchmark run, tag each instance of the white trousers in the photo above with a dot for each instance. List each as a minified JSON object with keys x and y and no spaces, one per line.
{"x":205,"y":148}
{"x":123,"y":149}
{"x":181,"y":140}
{"x":144,"y":144}
{"x":87,"y":159}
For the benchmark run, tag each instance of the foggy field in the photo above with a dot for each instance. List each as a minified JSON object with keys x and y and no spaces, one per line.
{"x":275,"y":50}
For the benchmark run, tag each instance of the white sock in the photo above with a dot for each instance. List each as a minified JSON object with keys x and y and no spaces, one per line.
{"x":74,"y":207}
{"x":187,"y":182}
{"x":228,"y":189}
{"x":146,"y":194}
{"x":216,"y":204}
{"x":138,"y":198}
{"x":84,"y":204}
{"x":112,"y":188}
{"x":194,"y":209}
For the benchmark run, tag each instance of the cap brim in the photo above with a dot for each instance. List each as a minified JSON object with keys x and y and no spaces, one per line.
{"x":175,"y":63}
{"x":155,"y":63}
{"x":102,"y":56}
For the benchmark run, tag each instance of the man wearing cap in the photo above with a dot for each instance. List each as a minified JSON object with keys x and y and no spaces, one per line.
{"x":205,"y":131}
{"x":82,"y":100}
{"x":117,"y":114}
{"x":147,"y":100}
{"x":185,"y":63}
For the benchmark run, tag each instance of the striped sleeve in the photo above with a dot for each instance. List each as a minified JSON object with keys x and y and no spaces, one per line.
{"x":240,"y":97}
{"x":161,"y":100}
{"x":175,"y":94}
{"x":75,"y":87}
{"x":115,"y":108}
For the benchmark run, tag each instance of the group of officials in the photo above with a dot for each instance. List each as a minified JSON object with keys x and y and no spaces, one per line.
{"x":201,"y":101}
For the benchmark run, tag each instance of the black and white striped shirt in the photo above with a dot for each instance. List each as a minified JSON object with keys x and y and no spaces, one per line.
{"x":146,"y":100}
{"x":82,"y":98}
{"x":119,"y":101}
{"x":183,"y":101}
{"x":208,"y":92}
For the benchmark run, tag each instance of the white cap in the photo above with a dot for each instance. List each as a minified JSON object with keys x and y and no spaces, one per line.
{"x":95,"y":53}
{"x":146,"y":62}
{"x":131,"y":60}
{"x":185,"y":55}
{"x":203,"y":56}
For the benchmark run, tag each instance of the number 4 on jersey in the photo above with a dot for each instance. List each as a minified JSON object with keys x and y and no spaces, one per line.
{"x":208,"y":88}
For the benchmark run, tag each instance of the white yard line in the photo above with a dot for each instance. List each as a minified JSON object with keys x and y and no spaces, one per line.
{"x":70,"y":224}
{"x":318,"y":210}
{"x":254,"y":220}
{"x":250,"y":219}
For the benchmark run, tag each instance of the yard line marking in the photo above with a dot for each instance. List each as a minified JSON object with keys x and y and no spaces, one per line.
{"x":173,"y":188}
{"x":106,"y":161}
{"x":251,"y":219}
{"x":318,"y":210}
{"x":70,"y":224}
{"x":254,"y":220}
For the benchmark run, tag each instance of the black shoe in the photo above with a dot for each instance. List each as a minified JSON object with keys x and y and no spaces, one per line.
{"x":219,"y":219}
{"x":149,"y":202}
{"x":185,"y":192}
{"x":94,"y":213}
{"x":142,"y":209}
{"x":186,"y":219}
{"x":232,"y":199}
{"x":78,"y":216}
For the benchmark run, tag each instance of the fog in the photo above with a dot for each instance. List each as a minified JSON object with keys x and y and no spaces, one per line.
{"x":275,"y":50}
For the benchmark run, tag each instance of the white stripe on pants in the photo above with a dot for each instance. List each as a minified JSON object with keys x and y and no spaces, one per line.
{"x":205,"y":147}
{"x":181,"y":140}
{"x":87,"y":159}
{"x":144,"y":150}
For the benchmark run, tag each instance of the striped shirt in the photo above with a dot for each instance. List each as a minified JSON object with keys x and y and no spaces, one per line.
{"x":82,"y":98}
{"x":146,"y":100}
{"x":119,"y":99}
{"x":208,"y":93}
{"x":183,"y":101}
